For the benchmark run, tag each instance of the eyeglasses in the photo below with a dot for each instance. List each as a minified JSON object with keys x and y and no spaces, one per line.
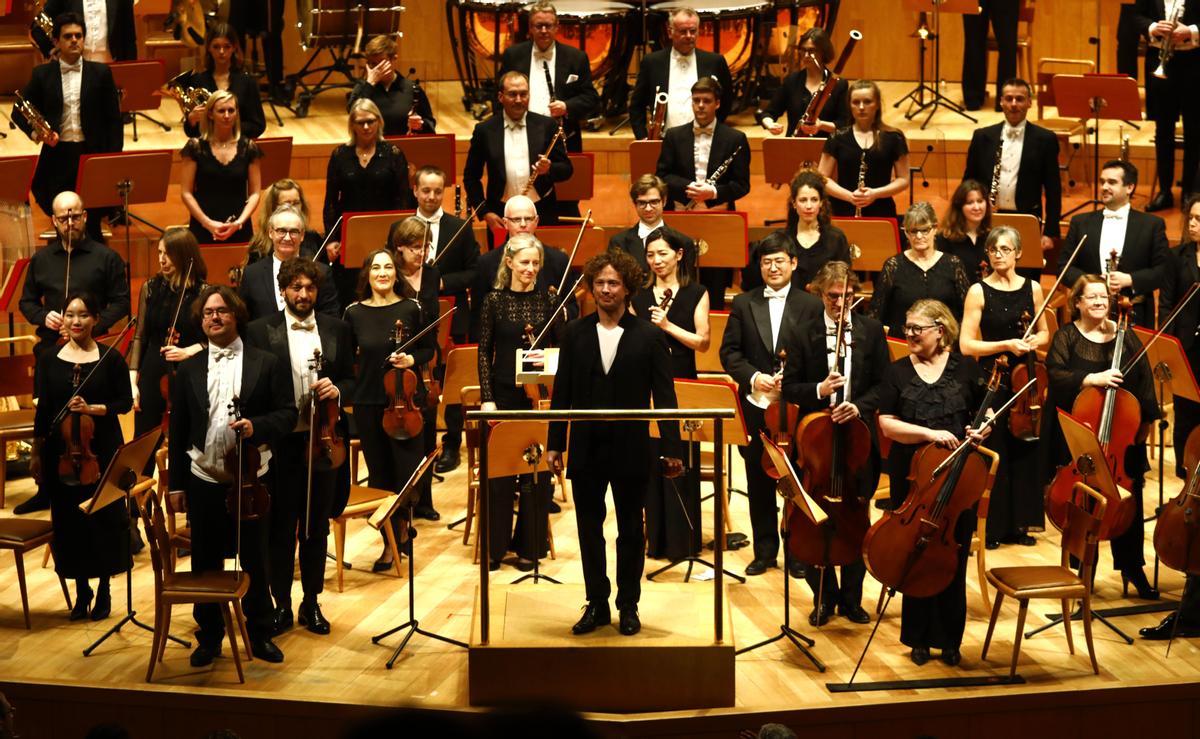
{"x":644,"y":204}
{"x":919,"y":233}
{"x":776,"y":262}
{"x":544,"y":26}
{"x":366,"y":122}
{"x":213,"y":312}
{"x":287,"y":233}
{"x":521,"y":220}
{"x":1001,"y":250}
{"x":70,"y":217}
{"x":912,"y":329}
{"x":835,"y":297}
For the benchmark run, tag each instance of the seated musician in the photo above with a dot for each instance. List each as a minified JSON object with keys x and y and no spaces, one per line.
{"x":259,"y":288}
{"x":202,"y":440}
{"x":649,"y":193}
{"x":812,"y":381}
{"x":796,"y":92}
{"x":404,"y":106}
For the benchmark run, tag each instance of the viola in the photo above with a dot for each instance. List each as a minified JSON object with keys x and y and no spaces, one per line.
{"x":327,"y":448}
{"x":402,"y":417}
{"x":780,"y":419}
{"x":172,"y":339}
{"x":1115,"y":415}
{"x":1177,"y":530}
{"x":247,"y":499}
{"x":1025,"y":418}
{"x":78,"y":464}
{"x":912,"y":549}
{"x":536,"y":392}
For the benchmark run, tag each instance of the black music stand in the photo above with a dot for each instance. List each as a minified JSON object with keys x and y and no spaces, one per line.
{"x":518,"y":448}
{"x":1096,"y":97}
{"x":796,"y":493}
{"x":118,"y":480}
{"x":916,"y":97}
{"x":358,"y":20}
{"x":383,"y":517}
{"x":139,"y":84}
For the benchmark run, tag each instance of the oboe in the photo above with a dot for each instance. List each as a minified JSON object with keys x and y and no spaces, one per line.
{"x":862,"y":181}
{"x":994,"y":192}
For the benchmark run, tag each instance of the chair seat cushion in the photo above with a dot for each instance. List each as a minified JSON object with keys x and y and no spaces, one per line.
{"x":1030,"y":580}
{"x":214,"y":582}
{"x":17,"y":531}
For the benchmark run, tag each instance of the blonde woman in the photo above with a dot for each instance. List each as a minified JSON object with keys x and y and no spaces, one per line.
{"x":220,"y":176}
{"x":883,"y":149}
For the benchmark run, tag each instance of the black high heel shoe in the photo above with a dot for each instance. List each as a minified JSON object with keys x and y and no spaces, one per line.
{"x":83,"y":599}
{"x":103,"y":606}
{"x":1137,"y":578}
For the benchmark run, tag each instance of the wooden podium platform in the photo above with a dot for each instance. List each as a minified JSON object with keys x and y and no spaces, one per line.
{"x":672,"y":664}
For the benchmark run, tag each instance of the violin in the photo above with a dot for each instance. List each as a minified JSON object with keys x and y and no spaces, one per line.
{"x":1115,"y":415}
{"x":912,"y":549}
{"x":536,"y":392}
{"x":248,"y":499}
{"x":78,"y":464}
{"x":780,"y":418}
{"x":402,"y":417}
{"x":327,"y":448}
{"x":1025,"y":418}
{"x":1177,"y":530}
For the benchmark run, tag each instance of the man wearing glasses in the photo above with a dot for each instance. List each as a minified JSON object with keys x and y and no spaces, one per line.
{"x":259,"y":287}
{"x":405,"y":109}
{"x":649,"y":193}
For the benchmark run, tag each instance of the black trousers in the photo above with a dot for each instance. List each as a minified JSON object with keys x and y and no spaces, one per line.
{"x":1166,"y":102}
{"x":764,"y":506}
{"x":846,"y":594}
{"x":389,"y":462}
{"x":1002,"y":14}
{"x":1128,"y":549}
{"x":261,"y":17}
{"x":529,"y":536}
{"x":213,"y":539}
{"x":287,"y":522}
{"x":590,"y":510}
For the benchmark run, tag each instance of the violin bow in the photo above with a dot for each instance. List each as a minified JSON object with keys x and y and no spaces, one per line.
{"x":1191,"y":293}
{"x":67,"y":275}
{"x":990,"y":421}
{"x":466,"y":222}
{"x":328,"y":236}
{"x":587,"y":219}
{"x":58,"y":417}
{"x":554,"y":316}
{"x":400,"y":349}
{"x":1049,"y":295}
{"x":182,"y":293}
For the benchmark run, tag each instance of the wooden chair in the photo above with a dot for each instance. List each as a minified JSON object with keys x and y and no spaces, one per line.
{"x":979,"y":539}
{"x":175,"y":504}
{"x":21,"y":535}
{"x":1065,"y":128}
{"x":470,"y":401}
{"x":16,"y":377}
{"x":1024,"y":39}
{"x":1060,"y":583}
{"x":224,"y":588}
{"x":361,"y":504}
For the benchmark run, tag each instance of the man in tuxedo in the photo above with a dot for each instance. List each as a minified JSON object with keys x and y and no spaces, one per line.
{"x":392,"y":92}
{"x":1028,"y":162}
{"x":812,"y":380}
{"x":511,"y":145}
{"x":1174,"y":96}
{"x":203,"y":430}
{"x":293,"y":335}
{"x":264,"y":18}
{"x":111,"y":37}
{"x":649,"y":193}
{"x":79,"y":101}
{"x":761,"y":322}
{"x":1138,"y":239}
{"x":612,"y":360}
{"x":259,"y":288}
{"x":691,"y":154}
{"x":1004,"y":17}
{"x":674,"y":71}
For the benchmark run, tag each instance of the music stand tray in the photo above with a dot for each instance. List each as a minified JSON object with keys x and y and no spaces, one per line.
{"x":16,"y":176}
{"x":276,"y":161}
{"x":1096,"y":97}
{"x":1029,"y":228}
{"x":643,"y":158}
{"x":726,"y":232}
{"x":139,"y":84}
{"x":783,"y":157}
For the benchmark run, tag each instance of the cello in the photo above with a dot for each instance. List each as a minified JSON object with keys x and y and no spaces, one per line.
{"x":1177,"y":530}
{"x":1025,"y":418}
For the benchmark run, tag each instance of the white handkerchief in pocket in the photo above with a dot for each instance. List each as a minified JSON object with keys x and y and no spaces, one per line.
{"x":571,"y":78}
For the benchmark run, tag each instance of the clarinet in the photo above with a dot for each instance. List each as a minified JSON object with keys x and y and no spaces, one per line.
{"x":416,"y":97}
{"x":862,"y":181}
{"x":994,"y":192}
{"x":550,"y":89}
{"x":716,"y":175}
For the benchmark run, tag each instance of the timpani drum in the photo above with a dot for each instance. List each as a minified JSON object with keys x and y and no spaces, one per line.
{"x":599,"y":29}
{"x":791,"y":20}
{"x":327,"y":23}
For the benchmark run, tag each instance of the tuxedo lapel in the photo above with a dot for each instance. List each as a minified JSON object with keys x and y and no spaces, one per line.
{"x":277,"y":335}
{"x":561,"y":72}
{"x":762,"y":319}
{"x":1095,"y":221}
{"x":200,"y":385}
{"x":329,"y":347}
{"x":251,"y":370}
{"x":1131,"y":250}
{"x":719,"y":149}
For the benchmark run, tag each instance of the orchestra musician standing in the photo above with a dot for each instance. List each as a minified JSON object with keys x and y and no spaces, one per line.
{"x":223,"y":72}
{"x":763,"y":321}
{"x":220,"y":175}
{"x":812,"y":381}
{"x":259,"y":287}
{"x":964,"y":228}
{"x":405,"y":109}
{"x":866,"y":163}
{"x":279,"y":193}
{"x":202,"y":433}
{"x":795,"y":93}
{"x":649,"y":195}
{"x":113,"y":36}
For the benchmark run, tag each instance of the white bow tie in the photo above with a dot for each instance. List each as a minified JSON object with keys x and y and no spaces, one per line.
{"x":226,"y":353}
{"x":304,"y":325}
{"x":514,"y":125}
{"x":1012,"y":133}
{"x":76,"y":67}
{"x":771,"y":293}
{"x":1114,"y":216}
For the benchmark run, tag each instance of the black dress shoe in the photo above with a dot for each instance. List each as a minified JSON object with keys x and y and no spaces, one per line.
{"x":992,"y":544}
{"x":447,"y":462}
{"x":951,"y":657}
{"x":39,"y":502}
{"x":494,"y":565}
{"x":594,"y":616}
{"x":629,"y":622}
{"x":265,"y":650}
{"x":282,"y":620}
{"x":1025,"y":540}
{"x":759,"y":566}
{"x":311,"y":618}
{"x":427,"y":513}
{"x":103,"y":605}
{"x":554,"y":507}
{"x":522,"y":564}
{"x":920,"y":655}
{"x":381,"y":565}
{"x":797,"y":569}
{"x":820,"y":616}
{"x":1161,"y":201}
{"x":83,"y":598}
{"x":204,"y":654}
{"x":1162,"y":632}
{"x":855,"y":613}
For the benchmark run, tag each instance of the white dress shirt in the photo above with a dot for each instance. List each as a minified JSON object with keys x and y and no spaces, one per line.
{"x":681,"y":75}
{"x":609,"y":338}
{"x":776,"y":303}
{"x":517,"y":158}
{"x":831,"y":346}
{"x":644,"y":230}
{"x":702,"y":150}
{"x":95,"y":43}
{"x":539,"y":93}
{"x":276,"y":263}
{"x":1191,"y":43}
{"x":303,"y":338}
{"x":1013,"y":140}
{"x":435,"y":225}
{"x":1112,"y":235}
{"x":71,"y":128}
{"x":224,"y":382}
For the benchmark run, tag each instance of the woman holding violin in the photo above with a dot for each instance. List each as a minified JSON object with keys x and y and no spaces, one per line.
{"x":838,"y":454}
{"x":387,"y":315}
{"x":680,"y":308}
{"x":513,"y":314}
{"x":964,"y":229}
{"x":71,"y":452}
{"x":929,"y":397}
{"x":165,"y":334}
{"x":995,"y":328}
{"x":1081,"y":357}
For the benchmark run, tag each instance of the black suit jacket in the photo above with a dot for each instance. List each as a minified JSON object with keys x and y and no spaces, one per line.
{"x":555,"y":266}
{"x":487,"y":151}
{"x":808,"y":364}
{"x":258,"y":290}
{"x":1145,"y":256}
{"x":569,"y":64}
{"x":99,"y":107}
{"x":1037,"y":174}
{"x":654,"y":74}
{"x":640,"y":371}
{"x":1181,"y":275}
{"x":676,"y":163}
{"x":457,"y":262}
{"x":266,"y":396}
{"x":122,"y":33}
{"x":746,"y":346}
{"x":629,"y":242}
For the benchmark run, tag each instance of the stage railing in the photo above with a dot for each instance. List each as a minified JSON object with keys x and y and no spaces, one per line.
{"x":716,"y":415}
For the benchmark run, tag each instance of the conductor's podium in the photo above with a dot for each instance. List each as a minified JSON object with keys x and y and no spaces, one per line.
{"x":671,"y":664}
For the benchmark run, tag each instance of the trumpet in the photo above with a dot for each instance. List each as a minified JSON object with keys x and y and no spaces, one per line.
{"x":994,"y":191}
{"x":716,"y":175}
{"x":1167,"y":50}
{"x":658,"y":115}
{"x":37,"y":121}
{"x":189,"y":98}
{"x":533,"y":172}
{"x":862,"y":181}
{"x":43,"y":23}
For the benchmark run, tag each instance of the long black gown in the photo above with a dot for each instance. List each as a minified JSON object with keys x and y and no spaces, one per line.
{"x":156,"y":309}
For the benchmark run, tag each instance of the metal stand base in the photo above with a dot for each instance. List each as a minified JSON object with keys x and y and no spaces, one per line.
{"x":339,"y":63}
{"x":1103,"y":614}
{"x":937,"y":682}
{"x":155,"y":121}
{"x":691,"y":561}
{"x":800,"y":641}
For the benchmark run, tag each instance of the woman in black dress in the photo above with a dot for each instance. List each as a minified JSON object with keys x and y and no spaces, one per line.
{"x":1184,"y":272}
{"x":514,"y":303}
{"x":1080,"y":356}
{"x":992,"y":327}
{"x":673,"y":506}
{"x":220,"y":176}
{"x":930,"y":397}
{"x":868,"y":153}
{"x":964,"y":228}
{"x":85,"y":546}
{"x":796,"y":92}
{"x":223,"y":71}
{"x":151,"y":355}
{"x":920,"y":271}
{"x":383,"y":300}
